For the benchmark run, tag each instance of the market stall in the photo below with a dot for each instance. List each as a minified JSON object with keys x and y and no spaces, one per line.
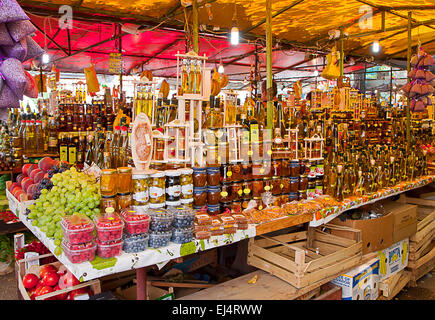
{"x":127,"y":177}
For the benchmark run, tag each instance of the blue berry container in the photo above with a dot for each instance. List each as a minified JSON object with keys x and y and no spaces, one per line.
{"x":161,"y":220}
{"x":159,"y":239}
{"x":184,"y":216}
{"x":135,"y":243}
{"x":181,"y":236}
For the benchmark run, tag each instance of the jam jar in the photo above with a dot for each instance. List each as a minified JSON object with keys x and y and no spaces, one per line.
{"x":236,"y":171}
{"x":173,"y":186}
{"x":304,"y":167}
{"x":302,"y":194}
{"x":294,"y":184}
{"x":246,"y":170}
{"x":226,"y":174}
{"x":213,"y":176}
{"x":186,"y":182}
{"x":247,"y":189}
{"x":213,"y":195}
{"x":276,"y":167}
{"x":226,"y":193}
{"x":156,"y":187}
{"x":237,"y":190}
{"x":311,"y":191}
{"x":140,"y":192}
{"x":124,"y":180}
{"x":258,"y":171}
{"x":285,"y":168}
{"x":257,"y":187}
{"x":295,"y":168}
{"x":259,"y":203}
{"x":267,"y":184}
{"x":303,"y":182}
{"x":267,"y":168}
{"x":108,"y":182}
{"x":213,"y":210}
{"x":276,"y":185}
{"x":319,"y":186}
{"x":199,"y":197}
{"x":124,"y":200}
{"x":199,"y":177}
{"x":285,"y":184}
{"x":108,"y":201}
{"x":292,"y":196}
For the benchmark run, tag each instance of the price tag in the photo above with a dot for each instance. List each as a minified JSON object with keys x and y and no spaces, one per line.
{"x":29,"y":255}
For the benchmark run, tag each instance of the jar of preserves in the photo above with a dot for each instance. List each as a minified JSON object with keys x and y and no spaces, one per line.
{"x":246,"y":170}
{"x":285,"y":184}
{"x":199,"y":197}
{"x":124,"y":200}
{"x":313,"y":168}
{"x":284,"y":198}
{"x":259,"y":203}
{"x":213,"y":209}
{"x":276,"y":185}
{"x":172,"y":185}
{"x":319,"y":187}
{"x":108,"y":202}
{"x":226,"y":193}
{"x":276,"y":167}
{"x":226,"y":174}
{"x":236,"y":206}
{"x":292,"y":196}
{"x":157,"y":185}
{"x":213,"y":195}
{"x":199,"y":177}
{"x":237,"y":190}
{"x":257,"y":187}
{"x":295,"y":168}
{"x":320,"y":170}
{"x":140,"y":192}
{"x":303,"y":167}
{"x":303,"y":182}
{"x":267,"y":184}
{"x":247,"y":189}
{"x":285,"y":168}
{"x":236,"y":170}
{"x":294,"y":184}
{"x":311,"y":191}
{"x":213,"y":176}
{"x":302,"y":195}
{"x":124,"y":180}
{"x":108,"y":182}
{"x":245,"y":203}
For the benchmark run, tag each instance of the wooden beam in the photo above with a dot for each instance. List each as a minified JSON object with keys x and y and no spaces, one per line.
{"x":284,"y":9}
{"x":403,"y":50}
{"x":269,"y":65}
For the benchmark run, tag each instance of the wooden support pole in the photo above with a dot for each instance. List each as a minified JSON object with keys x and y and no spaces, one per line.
{"x":195,"y":25}
{"x":269,"y":83}
{"x":341,"y":52}
{"x":408,"y":65}
{"x":391,"y":85}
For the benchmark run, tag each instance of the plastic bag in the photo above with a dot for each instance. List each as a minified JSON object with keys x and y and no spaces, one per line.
{"x":91,"y":79}
{"x":332,"y":68}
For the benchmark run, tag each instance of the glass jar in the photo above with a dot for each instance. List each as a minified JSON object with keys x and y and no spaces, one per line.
{"x":319,"y":186}
{"x":188,"y":202}
{"x":294,"y":168}
{"x":186,"y":182}
{"x":226,"y":193}
{"x":285,"y":168}
{"x":313,"y":168}
{"x":199,"y":177}
{"x":108,"y":201}
{"x":124,"y":200}
{"x":172,"y":185}
{"x":199,"y":197}
{"x":303,"y":182}
{"x":246,"y":170}
{"x":213,"y":209}
{"x":108,"y":182}
{"x":294,"y":184}
{"x":284,"y":198}
{"x":257,"y":170}
{"x":237,"y":190}
{"x":285,"y":184}
{"x":212,"y":156}
{"x":157,"y":183}
{"x":226,"y":174}
{"x":276,"y":185}
{"x":236,"y":206}
{"x":236,"y":171}
{"x":257,"y":187}
{"x":292,"y":196}
{"x":226,"y":207}
{"x":267,"y":184}
{"x":124,"y":180}
{"x":267,"y":168}
{"x":259,"y":205}
{"x":303,"y":167}
{"x":140,"y":192}
{"x":213,"y":176}
{"x":247,"y":189}
{"x":245,"y":203}
{"x":311,"y":191}
{"x":302,"y":195}
{"x":320,"y":170}
{"x":213,"y":195}
{"x":276,"y":167}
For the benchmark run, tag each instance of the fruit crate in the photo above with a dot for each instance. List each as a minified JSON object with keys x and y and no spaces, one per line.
{"x":306,"y":257}
{"x":21,"y":271}
{"x":17,"y":206}
{"x":422,"y":243}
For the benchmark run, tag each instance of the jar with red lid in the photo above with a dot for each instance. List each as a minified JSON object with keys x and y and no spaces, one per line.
{"x":303,"y":182}
{"x":247,"y":189}
{"x":213,"y":195}
{"x":285,"y":168}
{"x":295,"y":168}
{"x":246,"y":170}
{"x":236,"y":190}
{"x":199,"y":177}
{"x":276,"y":185}
{"x":213,"y":176}
{"x":294,"y":184}
{"x":226,"y":175}
{"x":226,"y":193}
{"x":236,"y":171}
{"x":276,"y":167}
{"x":199,"y":197}
{"x":285,"y":184}
{"x":257,"y":187}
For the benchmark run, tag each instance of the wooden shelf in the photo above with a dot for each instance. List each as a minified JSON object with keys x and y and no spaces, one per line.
{"x":283,"y":223}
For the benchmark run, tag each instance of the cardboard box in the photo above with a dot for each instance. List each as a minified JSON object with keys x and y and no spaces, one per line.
{"x":404,"y":219}
{"x":376,"y":234}
{"x":393,"y":259}
{"x":361,"y":283}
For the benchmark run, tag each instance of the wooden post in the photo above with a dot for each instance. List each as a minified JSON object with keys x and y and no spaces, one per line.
{"x":141,"y":288}
{"x":341,"y":52}
{"x":195,"y":26}
{"x":269,"y":85}
{"x":391,"y":85}
{"x":408,"y":63}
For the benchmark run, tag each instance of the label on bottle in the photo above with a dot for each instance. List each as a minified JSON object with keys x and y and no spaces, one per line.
{"x":245,"y":136}
{"x":255,"y":134}
{"x":63,"y":150}
{"x":72,"y":155}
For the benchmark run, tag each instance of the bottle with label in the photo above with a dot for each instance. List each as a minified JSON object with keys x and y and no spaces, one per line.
{"x":89,"y":157}
{"x":72,"y":149}
{"x":106,"y":152}
{"x":360,"y":186}
{"x":63,"y":148}
{"x":39,"y":137}
{"x":114,"y":145}
{"x":254,"y":127}
{"x":52,"y":136}
{"x":81,"y":149}
{"x":198,"y":78}
{"x":30,"y":137}
{"x":338,"y":195}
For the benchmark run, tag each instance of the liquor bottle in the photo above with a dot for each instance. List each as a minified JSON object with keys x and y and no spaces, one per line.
{"x":338,"y":194}
{"x":81,"y":150}
{"x":380,"y":178}
{"x":371,"y":177}
{"x":114,"y":146}
{"x":21,"y":133}
{"x":392,"y":172}
{"x":30,"y":146}
{"x":39,"y":137}
{"x":403,"y":167}
{"x":214,"y":118}
{"x":72,"y":149}
{"x":360,"y":188}
{"x":106,"y":151}
{"x":52,"y":136}
{"x":332,"y":179}
{"x":63,"y":148}
{"x":130,"y":162}
{"x":254,"y":126}
{"x":184,"y":79}
{"x":100,"y":151}
{"x":191,"y":78}
{"x":230,"y":112}
{"x":89,"y":157}
{"x":198,"y":78}
{"x":122,"y":143}
{"x":347,"y":185}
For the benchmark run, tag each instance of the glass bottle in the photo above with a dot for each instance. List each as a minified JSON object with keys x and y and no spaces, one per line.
{"x":106,"y":152}
{"x":89,"y":157}
{"x":72,"y":149}
{"x":63,"y":148}
{"x":198,"y":78}
{"x":30,"y":136}
{"x":184,"y":79}
{"x":338,"y":194}
{"x":347,"y":185}
{"x":114,"y":146}
{"x":81,"y":149}
{"x":52,"y":136}
{"x":360,"y":188}
{"x":392,"y":173}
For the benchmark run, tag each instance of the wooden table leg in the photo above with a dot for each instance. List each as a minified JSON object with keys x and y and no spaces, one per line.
{"x":141,"y":282}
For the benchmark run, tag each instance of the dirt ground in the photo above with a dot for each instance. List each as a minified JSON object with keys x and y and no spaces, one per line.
{"x":425,"y":289}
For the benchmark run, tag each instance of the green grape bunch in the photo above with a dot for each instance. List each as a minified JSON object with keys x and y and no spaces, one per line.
{"x":73,"y":192}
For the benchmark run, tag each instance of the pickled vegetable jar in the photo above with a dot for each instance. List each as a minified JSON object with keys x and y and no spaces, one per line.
{"x":157,"y":183}
{"x":140,"y":189}
{"x":172,"y":185}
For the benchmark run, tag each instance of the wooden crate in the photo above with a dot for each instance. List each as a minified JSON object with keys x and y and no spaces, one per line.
{"x":422,"y":243}
{"x":17,"y":206}
{"x":391,"y":286}
{"x":330,"y":292}
{"x":21,"y":271}
{"x":303,"y":258}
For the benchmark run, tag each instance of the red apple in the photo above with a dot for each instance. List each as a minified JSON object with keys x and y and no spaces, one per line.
{"x":50,"y":279}
{"x":45,"y":269}
{"x":30,"y":280}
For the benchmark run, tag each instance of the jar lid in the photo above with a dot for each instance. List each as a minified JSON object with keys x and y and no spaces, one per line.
{"x":199,"y":169}
{"x":108,"y":171}
{"x":124,"y":194}
{"x":158,"y":174}
{"x":293,"y":193}
{"x":213,"y":188}
{"x":109,"y":197}
{"x":198,"y":189}
{"x":213,"y":169}
{"x":213,"y":206}
{"x":172,"y":173}
{"x":156,"y":205}
{"x":187,"y":200}
{"x":125,"y":169}
{"x":185,"y":170}
{"x":276,"y":177}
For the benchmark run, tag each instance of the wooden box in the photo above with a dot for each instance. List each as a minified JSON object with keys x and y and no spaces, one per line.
{"x":17,"y":206}
{"x":303,"y":258}
{"x":21,"y":272}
